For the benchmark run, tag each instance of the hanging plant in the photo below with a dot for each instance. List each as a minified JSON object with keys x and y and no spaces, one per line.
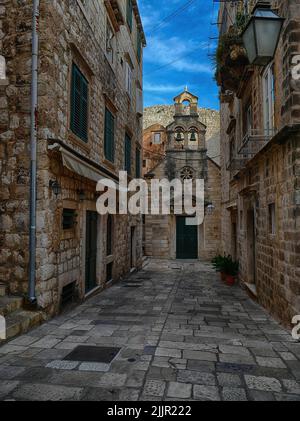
{"x":231,"y":57}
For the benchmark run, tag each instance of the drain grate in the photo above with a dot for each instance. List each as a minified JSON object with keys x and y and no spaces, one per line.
{"x":131,"y":286}
{"x":93,"y":354}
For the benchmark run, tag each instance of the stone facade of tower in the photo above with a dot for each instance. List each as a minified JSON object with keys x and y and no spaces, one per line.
{"x":179,"y":151}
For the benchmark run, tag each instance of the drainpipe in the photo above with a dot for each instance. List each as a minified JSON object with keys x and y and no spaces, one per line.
{"x":33,"y":153}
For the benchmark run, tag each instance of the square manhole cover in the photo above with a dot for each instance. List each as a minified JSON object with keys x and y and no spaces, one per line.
{"x":131,"y":286}
{"x":93,"y":354}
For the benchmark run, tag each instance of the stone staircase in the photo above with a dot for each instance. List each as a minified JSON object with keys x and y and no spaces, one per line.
{"x":17,"y":319}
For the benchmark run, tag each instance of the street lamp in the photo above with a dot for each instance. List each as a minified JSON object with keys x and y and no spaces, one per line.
{"x":261,"y":35}
{"x":55,"y":186}
{"x":210,"y":208}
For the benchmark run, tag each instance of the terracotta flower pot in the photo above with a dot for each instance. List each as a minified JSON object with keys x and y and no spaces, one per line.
{"x":230,"y":280}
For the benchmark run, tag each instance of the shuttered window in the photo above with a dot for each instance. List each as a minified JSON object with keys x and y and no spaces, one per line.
{"x":129,"y":14}
{"x":138,"y":163}
{"x":128,"y":154}
{"x":79,"y":104}
{"x":109,"y":136}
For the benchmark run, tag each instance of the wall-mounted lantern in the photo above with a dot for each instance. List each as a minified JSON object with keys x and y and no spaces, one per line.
{"x":209,"y":209}
{"x":261,"y":35}
{"x":55,"y":187}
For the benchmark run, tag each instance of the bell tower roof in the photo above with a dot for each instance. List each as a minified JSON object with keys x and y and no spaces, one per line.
{"x":186,"y":96}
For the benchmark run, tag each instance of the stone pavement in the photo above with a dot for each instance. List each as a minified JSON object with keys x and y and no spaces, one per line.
{"x":182,"y":335}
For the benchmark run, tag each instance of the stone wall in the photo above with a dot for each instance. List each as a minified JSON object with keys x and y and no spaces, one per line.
{"x":69,"y":32}
{"x":269,"y":263}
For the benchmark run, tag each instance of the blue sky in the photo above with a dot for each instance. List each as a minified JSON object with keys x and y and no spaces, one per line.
{"x":183,"y":40}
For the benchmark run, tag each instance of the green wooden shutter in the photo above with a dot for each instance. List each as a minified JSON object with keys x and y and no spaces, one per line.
{"x":129,"y":13}
{"x":138,"y":163}
{"x":79,"y":104}
{"x":128,"y":154}
{"x":109,"y":136}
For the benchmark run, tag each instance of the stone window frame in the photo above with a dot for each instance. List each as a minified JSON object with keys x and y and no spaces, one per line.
{"x":74,"y":232}
{"x":108,"y":25}
{"x":78,"y":59}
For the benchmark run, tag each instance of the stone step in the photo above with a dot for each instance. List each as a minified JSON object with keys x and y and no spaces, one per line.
{"x":2,"y":290}
{"x":21,"y":321}
{"x":9,"y":304}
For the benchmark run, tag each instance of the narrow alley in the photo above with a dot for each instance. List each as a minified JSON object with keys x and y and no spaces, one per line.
{"x":170,"y":332}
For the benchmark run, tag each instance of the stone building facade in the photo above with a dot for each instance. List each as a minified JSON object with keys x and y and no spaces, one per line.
{"x":90,"y":110}
{"x":179,"y":150}
{"x":260,"y":147}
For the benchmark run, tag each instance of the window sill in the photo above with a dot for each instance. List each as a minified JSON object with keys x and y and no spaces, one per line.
{"x":79,"y":142}
{"x":109,"y":164}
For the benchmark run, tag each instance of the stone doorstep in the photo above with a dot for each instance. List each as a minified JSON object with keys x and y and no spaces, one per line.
{"x":21,"y":321}
{"x":10,"y":304}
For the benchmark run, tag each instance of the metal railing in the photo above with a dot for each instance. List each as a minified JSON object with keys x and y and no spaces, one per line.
{"x":255,"y":140}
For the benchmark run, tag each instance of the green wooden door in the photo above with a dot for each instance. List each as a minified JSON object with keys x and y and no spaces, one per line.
{"x":186,"y":240}
{"x":91,"y":251}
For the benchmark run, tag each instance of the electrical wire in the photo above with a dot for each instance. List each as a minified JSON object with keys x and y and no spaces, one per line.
{"x":175,"y":13}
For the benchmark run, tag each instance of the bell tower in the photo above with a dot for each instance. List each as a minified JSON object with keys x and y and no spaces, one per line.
{"x":186,"y":104}
{"x":186,"y":132}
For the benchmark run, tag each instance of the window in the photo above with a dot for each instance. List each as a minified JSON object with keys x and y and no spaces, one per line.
{"x":269,"y":101}
{"x":128,"y":154}
{"x":129,"y":14}
{"x":139,"y":46}
{"x":156,"y":138}
{"x":69,"y":219}
{"x":144,"y":163}
{"x":109,"y":236}
{"x":110,"y":43}
{"x":272,"y":219}
{"x":128,"y":81}
{"x":109,"y":135}
{"x":138,"y":163}
{"x":79,"y":104}
{"x":248,"y":119}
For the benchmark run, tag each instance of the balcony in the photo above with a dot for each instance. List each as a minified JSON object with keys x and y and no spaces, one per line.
{"x":255,"y":140}
{"x":236,"y":164}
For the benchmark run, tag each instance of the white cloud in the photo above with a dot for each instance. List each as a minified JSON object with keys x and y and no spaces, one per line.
{"x":176,"y":53}
{"x":161,"y":88}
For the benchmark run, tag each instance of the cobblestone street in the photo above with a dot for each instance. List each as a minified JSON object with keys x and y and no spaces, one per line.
{"x":182,"y":335}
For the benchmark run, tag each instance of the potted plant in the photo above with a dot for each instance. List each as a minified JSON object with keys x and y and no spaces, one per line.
{"x":231,"y":269}
{"x":231,"y":56}
{"x":218,"y":264}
